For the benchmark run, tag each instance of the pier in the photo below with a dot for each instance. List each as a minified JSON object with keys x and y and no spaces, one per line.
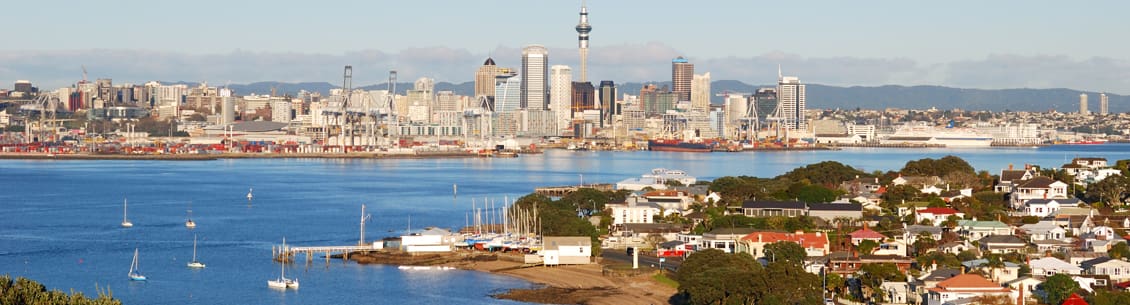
{"x":562,"y":191}
{"x":286,"y":254}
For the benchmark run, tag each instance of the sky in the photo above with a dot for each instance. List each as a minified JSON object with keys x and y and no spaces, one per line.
{"x":968,"y":44}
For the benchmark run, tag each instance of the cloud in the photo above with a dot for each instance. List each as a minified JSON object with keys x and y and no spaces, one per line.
{"x":622,"y":63}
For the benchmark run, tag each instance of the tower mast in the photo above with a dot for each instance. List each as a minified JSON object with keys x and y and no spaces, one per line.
{"x":583,"y":29}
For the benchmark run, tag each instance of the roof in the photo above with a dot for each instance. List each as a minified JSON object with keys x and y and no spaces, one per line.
{"x":257,"y":126}
{"x":1074,"y":299}
{"x":982,"y":262}
{"x":665,"y":193}
{"x":1002,"y":239}
{"x":982,"y":223}
{"x":1053,"y":263}
{"x":835,"y":206}
{"x":941,"y":274}
{"x":1037,"y":183}
{"x":866,"y":233}
{"x":806,"y":240}
{"x":671,"y":244}
{"x":1010,"y":175}
{"x":938,"y":211}
{"x":969,"y":281}
{"x":916,"y":229}
{"x":551,"y":242}
{"x":758,"y":204}
{"x":731,"y":231}
{"x":489,"y":62}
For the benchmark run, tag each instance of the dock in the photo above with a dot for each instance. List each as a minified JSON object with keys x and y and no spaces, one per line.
{"x":562,"y":191}
{"x":287,"y":254}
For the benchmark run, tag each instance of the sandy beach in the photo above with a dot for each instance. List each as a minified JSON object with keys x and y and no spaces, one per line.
{"x":575,"y":284}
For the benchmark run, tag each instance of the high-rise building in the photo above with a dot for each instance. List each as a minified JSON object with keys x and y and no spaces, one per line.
{"x":648,"y":98}
{"x":561,"y":95}
{"x":1103,"y":110}
{"x":484,"y":78}
{"x":607,"y":102}
{"x":700,"y":92}
{"x":535,"y":67}
{"x":1083,"y":104}
{"x":682,"y":72}
{"x":583,"y":29}
{"x":506,"y":94}
{"x":584,"y":97}
{"x":23,"y":86}
{"x":790,"y":102}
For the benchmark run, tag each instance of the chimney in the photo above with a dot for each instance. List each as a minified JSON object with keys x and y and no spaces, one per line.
{"x":1020,"y":295}
{"x":933,"y":265}
{"x":1010,"y":166}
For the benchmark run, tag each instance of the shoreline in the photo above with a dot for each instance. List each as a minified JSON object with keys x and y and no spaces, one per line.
{"x":566,"y":284}
{"x":212,"y":157}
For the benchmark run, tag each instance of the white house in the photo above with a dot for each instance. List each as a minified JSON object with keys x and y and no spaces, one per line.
{"x":566,"y":250}
{"x":1118,"y":270}
{"x":1044,"y":230}
{"x":633,"y":210}
{"x":1048,"y":207}
{"x":936,"y":215}
{"x":1049,"y":266}
{"x":962,"y":289}
{"x":976,"y":229}
{"x":1037,"y":188}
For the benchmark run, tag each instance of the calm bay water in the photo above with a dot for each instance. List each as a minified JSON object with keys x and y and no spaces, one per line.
{"x":59,"y":220}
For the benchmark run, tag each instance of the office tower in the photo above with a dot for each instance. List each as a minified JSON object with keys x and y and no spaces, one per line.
{"x":23,"y":86}
{"x":535,"y":66}
{"x":647,"y":99}
{"x":1103,"y":104}
{"x":1083,"y":104}
{"x":506,"y":94}
{"x":584,"y":97}
{"x":484,"y":78}
{"x":682,"y":73}
{"x":607,"y":102}
{"x":561,"y":94}
{"x":737,"y":105}
{"x":583,"y":30}
{"x":700,"y":92}
{"x":790,"y":102}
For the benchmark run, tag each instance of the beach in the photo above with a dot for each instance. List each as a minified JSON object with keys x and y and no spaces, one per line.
{"x":575,"y":284}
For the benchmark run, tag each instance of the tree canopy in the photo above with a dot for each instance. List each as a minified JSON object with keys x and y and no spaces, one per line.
{"x":26,"y":291}
{"x":940,"y":167}
{"x":827,"y":173}
{"x":714,"y":277}
{"x":1059,"y":287}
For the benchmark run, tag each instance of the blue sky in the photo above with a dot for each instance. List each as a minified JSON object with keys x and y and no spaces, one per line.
{"x":979,"y":44}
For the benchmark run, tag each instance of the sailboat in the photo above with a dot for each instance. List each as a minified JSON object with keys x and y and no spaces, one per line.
{"x":189,"y":223}
{"x":135,"y":269}
{"x":194,"y":263}
{"x":125,"y":220}
{"x":282,"y":282}
{"x":249,"y":194}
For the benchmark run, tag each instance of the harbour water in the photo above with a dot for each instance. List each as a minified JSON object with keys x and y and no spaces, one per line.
{"x":59,"y":220}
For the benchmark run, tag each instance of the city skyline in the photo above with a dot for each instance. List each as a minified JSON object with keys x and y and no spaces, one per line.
{"x":924,"y":45}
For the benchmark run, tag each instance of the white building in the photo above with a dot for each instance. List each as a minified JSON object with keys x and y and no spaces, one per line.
{"x":566,"y":250}
{"x":791,"y":102}
{"x":535,"y":67}
{"x":700,"y":92}
{"x":561,"y":94}
{"x":428,"y":240}
{"x":633,"y":210}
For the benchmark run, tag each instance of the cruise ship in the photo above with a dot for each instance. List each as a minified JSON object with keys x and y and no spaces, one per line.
{"x":922,"y":134}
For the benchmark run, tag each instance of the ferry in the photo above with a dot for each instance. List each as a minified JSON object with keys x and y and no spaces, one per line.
{"x":922,"y":134}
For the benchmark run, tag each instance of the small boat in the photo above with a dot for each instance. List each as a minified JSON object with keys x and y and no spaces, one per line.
{"x":194,"y":263}
{"x":282,"y":282}
{"x":125,"y":220}
{"x":249,"y":194}
{"x":189,"y":223}
{"x":135,"y":269}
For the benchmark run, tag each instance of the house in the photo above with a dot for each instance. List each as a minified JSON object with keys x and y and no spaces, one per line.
{"x":636,"y":234}
{"x":672,"y":248}
{"x":759,"y":208}
{"x":1091,"y":282}
{"x":814,"y":244}
{"x":1100,"y":239}
{"x":1001,"y":244}
{"x":936,"y":215}
{"x":1010,"y":178}
{"x":891,"y":247}
{"x":1010,"y":271}
{"x":954,"y":247}
{"x":962,"y":289}
{"x":1092,"y":163}
{"x":1037,"y":188}
{"x":951,"y":195}
{"x":910,"y":233}
{"x":896,"y":292}
{"x":976,"y":229}
{"x":1044,"y":230}
{"x":429,"y":240}
{"x":1028,"y":283}
{"x":566,"y":250}
{"x":724,"y":239}
{"x":866,"y":234}
{"x":1118,"y":270}
{"x":845,"y":265}
{"x":920,"y":182}
{"x":1086,"y":177}
{"x":860,"y":185}
{"x":670,"y":200}
{"x":633,"y":210}
{"x":831,"y":211}
{"x":1048,"y":207}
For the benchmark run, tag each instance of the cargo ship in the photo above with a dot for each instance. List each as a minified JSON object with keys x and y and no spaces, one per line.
{"x":679,"y":145}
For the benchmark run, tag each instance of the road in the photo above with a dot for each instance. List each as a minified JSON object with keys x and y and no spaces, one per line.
{"x":646,"y":259}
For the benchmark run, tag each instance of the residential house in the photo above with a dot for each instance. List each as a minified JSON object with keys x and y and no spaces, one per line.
{"x":976,"y":229}
{"x":919,"y":182}
{"x":897,"y":292}
{"x":1010,"y":178}
{"x":844,"y":265}
{"x":1048,"y":207}
{"x":1086,"y":177}
{"x":814,"y":244}
{"x":636,"y":234}
{"x":1044,"y":230}
{"x":566,"y":250}
{"x":670,"y":201}
{"x":830,"y":211}
{"x":936,"y":215}
{"x":1092,"y":163}
{"x":891,"y":247}
{"x":1118,"y":270}
{"x":724,"y":239}
{"x":955,"y":247}
{"x":761,"y":208}
{"x":1001,"y":244}
{"x":1026,"y":284}
{"x":1037,"y":188}
{"x":962,"y":289}
{"x":1049,"y":266}
{"x":951,"y":195}
{"x":859,"y":185}
{"x":1010,"y":271}
{"x":866,"y":234}
{"x":672,"y":248}
{"x":1100,"y":239}
{"x":1091,"y":282}
{"x":910,"y":233}
{"x":634,"y":210}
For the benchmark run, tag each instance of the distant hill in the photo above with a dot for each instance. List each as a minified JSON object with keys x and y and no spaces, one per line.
{"x":819,"y":96}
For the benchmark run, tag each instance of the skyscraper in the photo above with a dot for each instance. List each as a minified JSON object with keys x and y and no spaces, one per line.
{"x":607,"y":102}
{"x":535,"y":66}
{"x":1103,"y":104}
{"x":682,"y":73}
{"x":790,"y":102}
{"x":1083,"y":104}
{"x":484,"y":78}
{"x":561,"y":94}
{"x":700,"y":92}
{"x":506,"y":94}
{"x":584,"y":96}
{"x":583,"y":29}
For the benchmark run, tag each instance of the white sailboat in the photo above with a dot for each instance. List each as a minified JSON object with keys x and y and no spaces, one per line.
{"x":189,"y":223}
{"x":125,"y":220}
{"x":194,"y":263}
{"x":282,"y":282}
{"x":249,"y":194}
{"x":135,"y":269}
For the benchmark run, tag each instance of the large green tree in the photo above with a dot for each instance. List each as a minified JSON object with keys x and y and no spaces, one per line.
{"x":26,"y":291}
{"x":871,"y":276}
{"x":1058,"y":287}
{"x":785,"y":251}
{"x":940,"y":167}
{"x":1113,"y":189}
{"x":827,"y":173}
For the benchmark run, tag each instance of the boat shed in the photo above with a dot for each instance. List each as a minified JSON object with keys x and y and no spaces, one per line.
{"x":566,"y":250}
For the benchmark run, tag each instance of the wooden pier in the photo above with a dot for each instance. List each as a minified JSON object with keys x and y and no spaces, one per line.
{"x":562,"y":191}
{"x":287,"y":254}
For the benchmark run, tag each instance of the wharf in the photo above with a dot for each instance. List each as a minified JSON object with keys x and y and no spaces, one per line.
{"x":561,"y":191}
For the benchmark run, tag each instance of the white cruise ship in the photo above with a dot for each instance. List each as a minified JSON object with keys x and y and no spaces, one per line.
{"x":922,"y":134}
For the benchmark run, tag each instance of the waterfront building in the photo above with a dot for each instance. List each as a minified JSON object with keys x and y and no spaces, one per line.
{"x":647,"y":97}
{"x":791,"y":103}
{"x":1103,"y":110}
{"x":446,"y":100}
{"x":201,"y":97}
{"x":583,"y":28}
{"x":538,"y":123}
{"x":634,"y":119}
{"x":506,"y":94}
{"x":281,"y":111}
{"x":700,"y":92}
{"x":584,"y":97}
{"x":535,"y":67}
{"x":1083,"y":104}
{"x":736,"y":106}
{"x":682,"y":73}
{"x":608,"y":106}
{"x":561,"y":94}
{"x":634,"y":209}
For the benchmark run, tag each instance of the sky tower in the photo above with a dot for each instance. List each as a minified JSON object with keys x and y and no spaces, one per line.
{"x":583,"y":30}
